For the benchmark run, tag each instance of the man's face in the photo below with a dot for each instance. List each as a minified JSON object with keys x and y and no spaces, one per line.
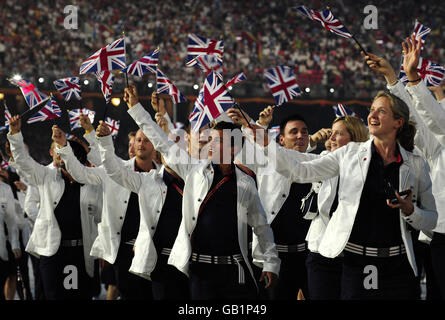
{"x":220,"y":149}
{"x":198,"y":144}
{"x":296,"y":136}
{"x":142,"y":146}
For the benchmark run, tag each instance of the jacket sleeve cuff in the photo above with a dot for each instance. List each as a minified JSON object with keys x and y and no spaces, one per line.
{"x":105,"y":141}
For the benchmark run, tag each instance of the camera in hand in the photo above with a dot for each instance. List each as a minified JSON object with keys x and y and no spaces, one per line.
{"x":391,"y":194}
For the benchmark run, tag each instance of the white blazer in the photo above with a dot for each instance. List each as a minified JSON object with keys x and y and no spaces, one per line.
{"x":420,"y":105}
{"x":351,"y":162}
{"x":198,"y":179}
{"x":114,"y":206}
{"x":7,"y":215}
{"x":273,"y":187}
{"x":152,"y":192}
{"x":45,"y":237}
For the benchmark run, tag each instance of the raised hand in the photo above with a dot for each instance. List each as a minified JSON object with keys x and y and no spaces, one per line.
{"x":381,"y":66}
{"x":85,"y":122}
{"x":102,"y":129}
{"x":58,"y":136}
{"x":15,"y":123}
{"x":131,"y":96}
{"x":320,"y":136}
{"x":411,"y":57}
{"x":266,"y":116}
{"x":237,"y":117}
{"x":162,"y":122}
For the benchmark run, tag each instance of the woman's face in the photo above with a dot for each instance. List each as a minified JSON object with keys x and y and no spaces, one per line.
{"x":340,"y":135}
{"x":381,"y":120}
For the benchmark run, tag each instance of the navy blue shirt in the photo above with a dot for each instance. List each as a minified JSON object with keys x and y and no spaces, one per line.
{"x":67,"y":211}
{"x":289,"y":227}
{"x":216,"y":231}
{"x":171,"y":214}
{"x":376,"y":224}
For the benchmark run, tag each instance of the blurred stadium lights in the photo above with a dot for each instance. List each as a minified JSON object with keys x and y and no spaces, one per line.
{"x":41,"y":80}
{"x":195,"y":86}
{"x":2,"y":95}
{"x":150,"y":84}
{"x":17,"y":77}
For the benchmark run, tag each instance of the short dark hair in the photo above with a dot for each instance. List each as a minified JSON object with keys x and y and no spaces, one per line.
{"x":223,"y":125}
{"x":292,"y":117}
{"x":79,"y":151}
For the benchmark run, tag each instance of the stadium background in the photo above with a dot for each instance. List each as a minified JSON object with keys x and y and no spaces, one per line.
{"x":257,"y":35}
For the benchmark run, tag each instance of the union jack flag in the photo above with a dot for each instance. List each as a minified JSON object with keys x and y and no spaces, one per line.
{"x":282,"y":84}
{"x":216,"y":97}
{"x":74,"y":116}
{"x":198,"y":118}
{"x":7,"y":117}
{"x":164,"y":85}
{"x":111,"y":57}
{"x":343,"y":111}
{"x":113,"y":125}
{"x":4,"y":165}
{"x":32,"y":95}
{"x":209,"y":63}
{"x":50,"y":111}
{"x":106,"y":80}
{"x":238,"y":78}
{"x":143,"y":65}
{"x":68,"y":88}
{"x":420,"y":32}
{"x":432,"y":73}
{"x":326,"y":19}
{"x":199,"y":46}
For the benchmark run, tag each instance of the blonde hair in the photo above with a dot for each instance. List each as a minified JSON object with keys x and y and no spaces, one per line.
{"x":405,"y":134}
{"x":355,"y":127}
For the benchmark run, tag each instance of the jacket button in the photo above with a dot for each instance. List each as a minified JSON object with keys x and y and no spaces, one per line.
{"x":273,"y":212}
{"x":284,"y":196}
{"x":125,"y":201}
{"x":118,"y":233}
{"x":152,"y":228}
{"x":121,"y":218}
{"x":55,"y":203}
{"x":199,"y":200}
{"x":193,"y":218}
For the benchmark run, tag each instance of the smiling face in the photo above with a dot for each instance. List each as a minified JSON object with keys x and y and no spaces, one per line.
{"x":296,"y":136}
{"x":142,"y":146}
{"x":381,"y":121}
{"x":340,"y":135}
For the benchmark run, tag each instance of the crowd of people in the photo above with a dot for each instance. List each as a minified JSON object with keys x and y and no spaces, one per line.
{"x":257,"y":35}
{"x":232,"y":212}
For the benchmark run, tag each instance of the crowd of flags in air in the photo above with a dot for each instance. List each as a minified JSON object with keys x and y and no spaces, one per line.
{"x":214,"y":97}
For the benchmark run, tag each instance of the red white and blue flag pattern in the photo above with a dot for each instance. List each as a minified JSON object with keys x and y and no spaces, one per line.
{"x":236,"y":79}
{"x":164,"y":85}
{"x":50,"y":111}
{"x":106,"y":80}
{"x":326,"y":19}
{"x":7,"y":117}
{"x":420,"y":32}
{"x":113,"y":125}
{"x":202,"y":46}
{"x":217,"y":98}
{"x":145,"y":64}
{"x":430,"y":72}
{"x":198,"y":118}
{"x":74,"y":116}
{"x":282,"y":84}
{"x":111,"y":57}
{"x":32,"y":95}
{"x":209,"y":63}
{"x":68,"y":88}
